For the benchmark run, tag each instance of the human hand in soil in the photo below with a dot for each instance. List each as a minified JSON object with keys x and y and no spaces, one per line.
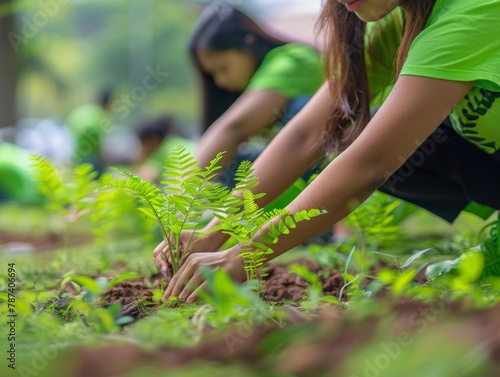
{"x":162,"y":257}
{"x":189,"y":280}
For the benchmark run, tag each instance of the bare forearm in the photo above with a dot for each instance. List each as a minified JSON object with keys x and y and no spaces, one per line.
{"x":338,"y":190}
{"x":218,"y":138}
{"x":251,"y":113}
{"x":412,"y":112}
{"x":294,"y":151}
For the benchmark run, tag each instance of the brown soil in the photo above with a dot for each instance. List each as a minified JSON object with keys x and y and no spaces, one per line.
{"x":279,"y":283}
{"x":318,"y":347}
{"x":282,"y":285}
{"x":130,"y":293}
{"x":310,"y":346}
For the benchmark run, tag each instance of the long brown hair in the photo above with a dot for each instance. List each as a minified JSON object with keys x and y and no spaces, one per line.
{"x":345,"y":64}
{"x":222,"y":28}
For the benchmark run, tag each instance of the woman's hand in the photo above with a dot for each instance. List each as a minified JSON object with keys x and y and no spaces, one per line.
{"x":189,"y":280}
{"x":208,"y":243}
{"x":162,"y":257}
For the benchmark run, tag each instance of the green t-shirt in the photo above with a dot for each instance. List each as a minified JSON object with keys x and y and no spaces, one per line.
{"x":461,"y":43}
{"x":293,"y":70}
{"x":89,"y":124}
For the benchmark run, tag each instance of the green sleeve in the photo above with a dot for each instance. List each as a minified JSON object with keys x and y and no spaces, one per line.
{"x":89,"y":124}
{"x":460,"y":43}
{"x":293,"y":70}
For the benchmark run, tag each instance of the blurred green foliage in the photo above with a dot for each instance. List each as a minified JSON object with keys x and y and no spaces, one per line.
{"x":68,"y":51}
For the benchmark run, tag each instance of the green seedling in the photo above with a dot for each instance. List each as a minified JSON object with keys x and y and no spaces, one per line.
{"x":71,"y":194}
{"x":188,"y":193}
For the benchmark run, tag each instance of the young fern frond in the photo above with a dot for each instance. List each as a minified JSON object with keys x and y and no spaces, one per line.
{"x":244,"y":178}
{"x":178,"y":167}
{"x":191,"y":188}
{"x":286,"y":223}
{"x":146,"y":191}
{"x":84,"y":178}
{"x":251,"y":210}
{"x":50,"y":183}
{"x":255,"y":256}
{"x":189,"y":192}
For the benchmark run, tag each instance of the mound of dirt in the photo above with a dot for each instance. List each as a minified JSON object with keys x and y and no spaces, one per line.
{"x":282,"y":285}
{"x":324,"y":345}
{"x":130,"y":293}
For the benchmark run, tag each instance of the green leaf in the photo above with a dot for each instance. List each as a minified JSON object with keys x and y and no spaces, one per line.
{"x":148,"y":212}
{"x":114,"y":309}
{"x":87,"y":282}
{"x":125,"y":320}
{"x":441,"y":268}
{"x":289,"y":222}
{"x":403,"y":281}
{"x":331,"y":300}
{"x":470,"y":266}
{"x":414,"y":257}
{"x":307,"y":275}
{"x":491,"y":250}
{"x":22,"y":307}
{"x":302,"y":215}
{"x":260,"y":246}
{"x":123,"y":277}
{"x":386,"y":276}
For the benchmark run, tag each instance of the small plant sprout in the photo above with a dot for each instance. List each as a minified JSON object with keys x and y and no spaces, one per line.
{"x":189,"y":192}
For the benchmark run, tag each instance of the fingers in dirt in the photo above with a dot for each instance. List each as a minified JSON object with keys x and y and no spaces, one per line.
{"x":191,"y":286}
{"x":173,"y":285}
{"x":195,"y":295}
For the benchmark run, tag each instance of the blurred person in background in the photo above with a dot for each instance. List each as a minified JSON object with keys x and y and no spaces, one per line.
{"x":158,"y":138}
{"x":90,"y":123}
{"x":252,"y":85}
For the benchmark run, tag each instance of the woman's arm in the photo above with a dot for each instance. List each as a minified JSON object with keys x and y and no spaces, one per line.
{"x":251,"y":113}
{"x":414,"y":109}
{"x":294,"y":150}
{"x":289,"y":155}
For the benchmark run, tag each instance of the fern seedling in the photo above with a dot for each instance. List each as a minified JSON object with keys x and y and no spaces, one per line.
{"x":68,"y":195}
{"x":188,"y":192}
{"x":246,"y":224}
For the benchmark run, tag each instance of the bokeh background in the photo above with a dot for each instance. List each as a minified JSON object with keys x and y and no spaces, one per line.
{"x":59,"y":54}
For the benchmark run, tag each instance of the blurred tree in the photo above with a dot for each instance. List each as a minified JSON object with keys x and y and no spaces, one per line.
{"x":66,"y":51}
{"x":8,"y":67}
{"x":90,"y":44}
